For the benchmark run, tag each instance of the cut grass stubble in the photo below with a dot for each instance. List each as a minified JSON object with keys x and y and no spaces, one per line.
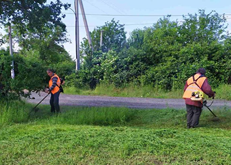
{"x":111,"y":136}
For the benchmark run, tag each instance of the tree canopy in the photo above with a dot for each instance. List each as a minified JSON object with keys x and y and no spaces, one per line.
{"x":163,"y":55}
{"x":31,"y":15}
{"x":38,"y":29}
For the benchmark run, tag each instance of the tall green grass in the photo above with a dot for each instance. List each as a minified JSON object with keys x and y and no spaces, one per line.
{"x":13,"y":112}
{"x":18,"y":112}
{"x":129,"y":91}
{"x":93,"y":116}
{"x":72,"y":90}
{"x":149,"y":137}
{"x":111,"y":136}
{"x":222,"y":92}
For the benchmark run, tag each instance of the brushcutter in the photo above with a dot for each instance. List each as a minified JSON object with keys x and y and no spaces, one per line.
{"x":199,"y":96}
{"x":34,"y":109}
{"x":205,"y":104}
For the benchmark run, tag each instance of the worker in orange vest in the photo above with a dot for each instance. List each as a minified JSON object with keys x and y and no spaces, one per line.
{"x":198,"y":82}
{"x":54,"y":89}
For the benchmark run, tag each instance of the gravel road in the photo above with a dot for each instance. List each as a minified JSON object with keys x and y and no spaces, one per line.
{"x":134,"y":102}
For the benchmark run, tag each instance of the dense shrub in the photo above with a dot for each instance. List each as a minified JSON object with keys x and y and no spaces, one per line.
{"x":164,"y":55}
{"x":29,"y":74}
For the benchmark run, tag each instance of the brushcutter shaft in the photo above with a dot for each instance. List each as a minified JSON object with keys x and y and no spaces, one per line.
{"x":39,"y":103}
{"x":210,"y":110}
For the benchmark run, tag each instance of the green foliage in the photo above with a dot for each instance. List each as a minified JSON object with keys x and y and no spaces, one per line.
{"x":64,"y":68}
{"x":223,"y":91}
{"x":83,"y":79}
{"x":29,"y":75}
{"x":45,"y":44}
{"x":40,"y":33}
{"x":164,"y":55}
{"x":34,"y":15}
{"x":114,"y":37}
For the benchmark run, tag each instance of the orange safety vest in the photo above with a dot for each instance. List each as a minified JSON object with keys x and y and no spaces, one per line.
{"x":56,"y":88}
{"x":194,"y":84}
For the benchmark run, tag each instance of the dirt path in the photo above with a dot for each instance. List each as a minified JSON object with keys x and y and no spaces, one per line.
{"x":104,"y":101}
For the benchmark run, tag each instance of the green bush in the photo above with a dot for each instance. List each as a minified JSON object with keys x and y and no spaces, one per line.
{"x":164,"y":55}
{"x":29,"y":74}
{"x":63,"y":68}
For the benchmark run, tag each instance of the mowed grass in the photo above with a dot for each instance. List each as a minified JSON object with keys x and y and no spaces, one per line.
{"x":113,"y":136}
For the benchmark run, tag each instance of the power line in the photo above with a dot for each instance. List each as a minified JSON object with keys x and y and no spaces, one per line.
{"x":112,"y":6}
{"x":127,"y":15}
{"x":129,"y":24}
{"x":123,"y":24}
{"x":136,"y":15}
{"x":94,"y":6}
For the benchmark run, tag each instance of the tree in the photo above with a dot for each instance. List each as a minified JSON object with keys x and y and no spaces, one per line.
{"x":45,"y":44}
{"x":47,"y":50}
{"x":165,"y":54}
{"x":39,"y":30}
{"x":30,"y":76}
{"x":30,"y":15}
{"x":136,"y":38}
{"x":160,"y":41}
{"x":203,"y":27}
{"x":114,"y":37}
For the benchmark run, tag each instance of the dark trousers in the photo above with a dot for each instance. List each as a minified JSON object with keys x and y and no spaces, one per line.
{"x":193,"y":115}
{"x":54,"y":102}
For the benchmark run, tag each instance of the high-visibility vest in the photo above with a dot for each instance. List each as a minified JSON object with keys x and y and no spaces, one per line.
{"x":194,"y":84}
{"x":56,"y":88}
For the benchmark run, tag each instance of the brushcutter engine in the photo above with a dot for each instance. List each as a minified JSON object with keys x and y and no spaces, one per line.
{"x":197,"y":96}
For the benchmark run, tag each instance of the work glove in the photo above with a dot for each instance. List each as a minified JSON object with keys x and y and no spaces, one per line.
{"x":47,"y":90}
{"x":214,"y":94}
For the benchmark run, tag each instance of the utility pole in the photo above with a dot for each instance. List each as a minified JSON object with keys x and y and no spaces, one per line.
{"x":85,"y":24}
{"x":101,"y":39}
{"x":76,"y":12}
{"x":77,"y":35}
{"x":11,"y":52}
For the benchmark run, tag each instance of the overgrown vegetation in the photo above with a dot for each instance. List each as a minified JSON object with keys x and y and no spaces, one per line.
{"x":19,"y":112}
{"x":162,"y":56}
{"x":91,"y":135}
{"x":223,"y":91}
{"x":128,"y":91}
{"x":40,"y":40}
{"x":13,"y":112}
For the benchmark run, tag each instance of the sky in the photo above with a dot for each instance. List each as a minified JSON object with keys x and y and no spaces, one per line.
{"x":135,"y":7}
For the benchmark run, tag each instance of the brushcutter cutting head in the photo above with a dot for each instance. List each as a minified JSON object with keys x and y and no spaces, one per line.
{"x":215,"y":119}
{"x":36,"y":109}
